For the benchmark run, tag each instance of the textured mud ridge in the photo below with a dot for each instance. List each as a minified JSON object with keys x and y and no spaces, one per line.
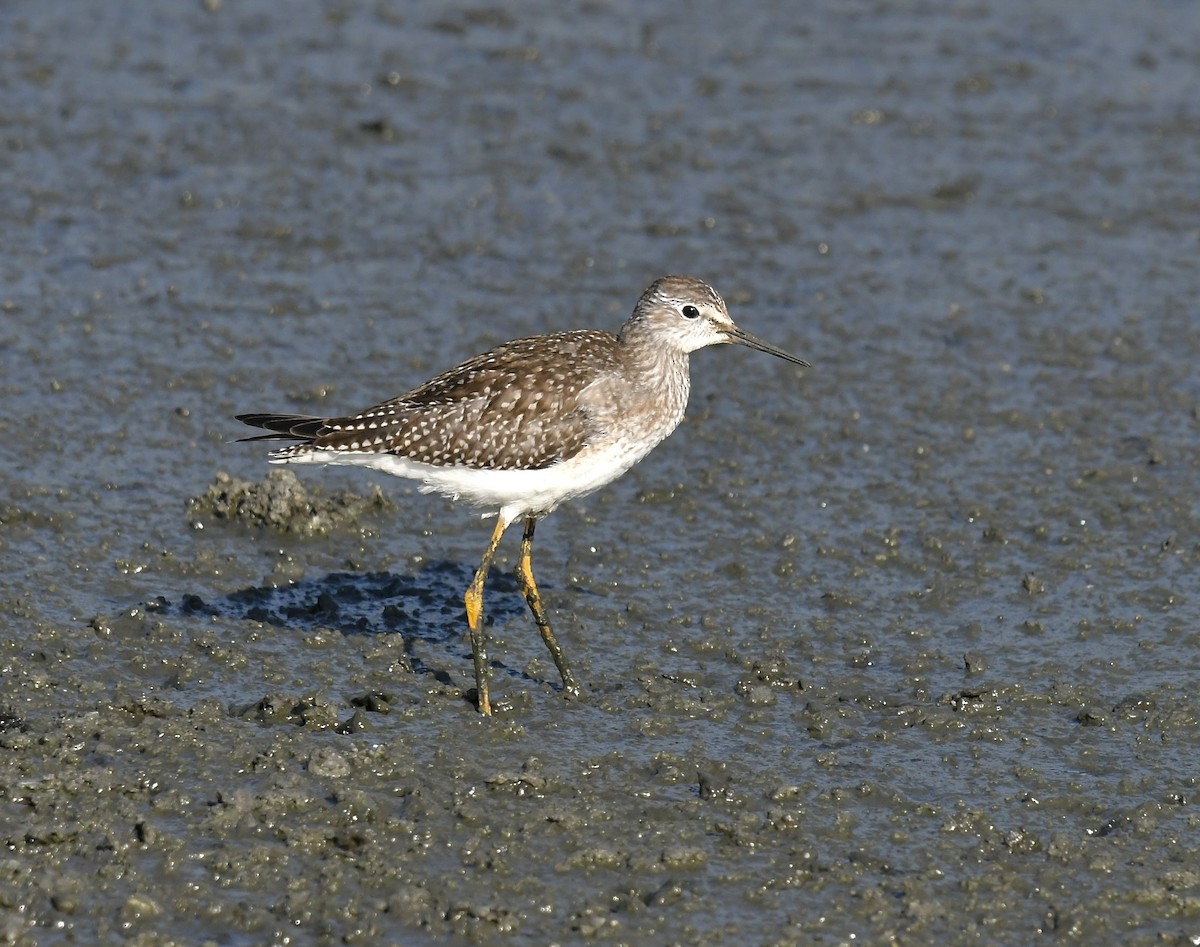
{"x":281,"y":502}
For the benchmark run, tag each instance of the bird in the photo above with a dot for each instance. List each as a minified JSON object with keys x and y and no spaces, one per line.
{"x":528,"y":425}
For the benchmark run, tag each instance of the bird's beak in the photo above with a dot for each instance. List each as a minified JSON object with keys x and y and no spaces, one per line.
{"x":741,"y":337}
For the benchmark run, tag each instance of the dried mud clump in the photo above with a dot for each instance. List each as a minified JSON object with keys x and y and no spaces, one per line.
{"x":280,"y":501}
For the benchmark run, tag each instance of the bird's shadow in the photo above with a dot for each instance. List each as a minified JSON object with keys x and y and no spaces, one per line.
{"x":426,"y":606}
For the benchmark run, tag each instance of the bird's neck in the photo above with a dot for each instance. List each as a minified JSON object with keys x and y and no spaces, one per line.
{"x":662,"y":373}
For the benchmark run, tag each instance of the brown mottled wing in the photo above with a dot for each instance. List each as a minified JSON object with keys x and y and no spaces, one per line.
{"x":518,"y":406}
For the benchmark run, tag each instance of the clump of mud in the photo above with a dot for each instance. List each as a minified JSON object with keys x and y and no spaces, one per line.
{"x":280,"y":501}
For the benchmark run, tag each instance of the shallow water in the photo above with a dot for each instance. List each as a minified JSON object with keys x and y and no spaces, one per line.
{"x":899,"y":649}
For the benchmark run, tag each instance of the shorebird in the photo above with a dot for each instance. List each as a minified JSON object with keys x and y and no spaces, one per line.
{"x":530,"y":424}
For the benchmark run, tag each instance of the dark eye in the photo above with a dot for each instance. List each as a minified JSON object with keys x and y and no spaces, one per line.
{"x":691,"y":312}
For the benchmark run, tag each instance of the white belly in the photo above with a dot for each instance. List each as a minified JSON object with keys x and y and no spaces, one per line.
{"x":514,"y":493}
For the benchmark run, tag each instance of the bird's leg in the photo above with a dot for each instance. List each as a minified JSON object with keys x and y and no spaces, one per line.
{"x":524,"y":573}
{"x":474,"y":599}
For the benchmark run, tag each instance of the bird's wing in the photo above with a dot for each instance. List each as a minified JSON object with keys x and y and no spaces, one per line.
{"x":522,"y":405}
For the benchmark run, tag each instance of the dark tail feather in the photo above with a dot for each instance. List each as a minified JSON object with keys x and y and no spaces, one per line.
{"x":297,"y":427}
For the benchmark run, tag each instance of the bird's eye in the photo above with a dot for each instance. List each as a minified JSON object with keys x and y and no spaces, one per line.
{"x":691,"y":312}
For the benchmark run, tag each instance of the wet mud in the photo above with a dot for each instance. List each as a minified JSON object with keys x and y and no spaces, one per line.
{"x":900,"y":649}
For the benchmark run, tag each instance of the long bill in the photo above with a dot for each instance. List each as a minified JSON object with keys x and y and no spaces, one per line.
{"x":742,"y":337}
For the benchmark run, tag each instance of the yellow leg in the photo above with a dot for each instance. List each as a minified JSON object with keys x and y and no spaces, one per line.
{"x":474,"y":600}
{"x":524,"y":573}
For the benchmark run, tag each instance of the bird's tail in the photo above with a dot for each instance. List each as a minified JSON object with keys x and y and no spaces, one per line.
{"x":299,"y":427}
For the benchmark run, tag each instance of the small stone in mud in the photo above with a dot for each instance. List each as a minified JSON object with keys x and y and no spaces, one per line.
{"x":713,"y":780}
{"x":974,"y":663}
{"x":9,"y":720}
{"x":326,"y":761}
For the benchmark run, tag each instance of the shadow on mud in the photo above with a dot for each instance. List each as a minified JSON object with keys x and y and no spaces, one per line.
{"x":427,"y":605}
{"x":423,"y":607}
